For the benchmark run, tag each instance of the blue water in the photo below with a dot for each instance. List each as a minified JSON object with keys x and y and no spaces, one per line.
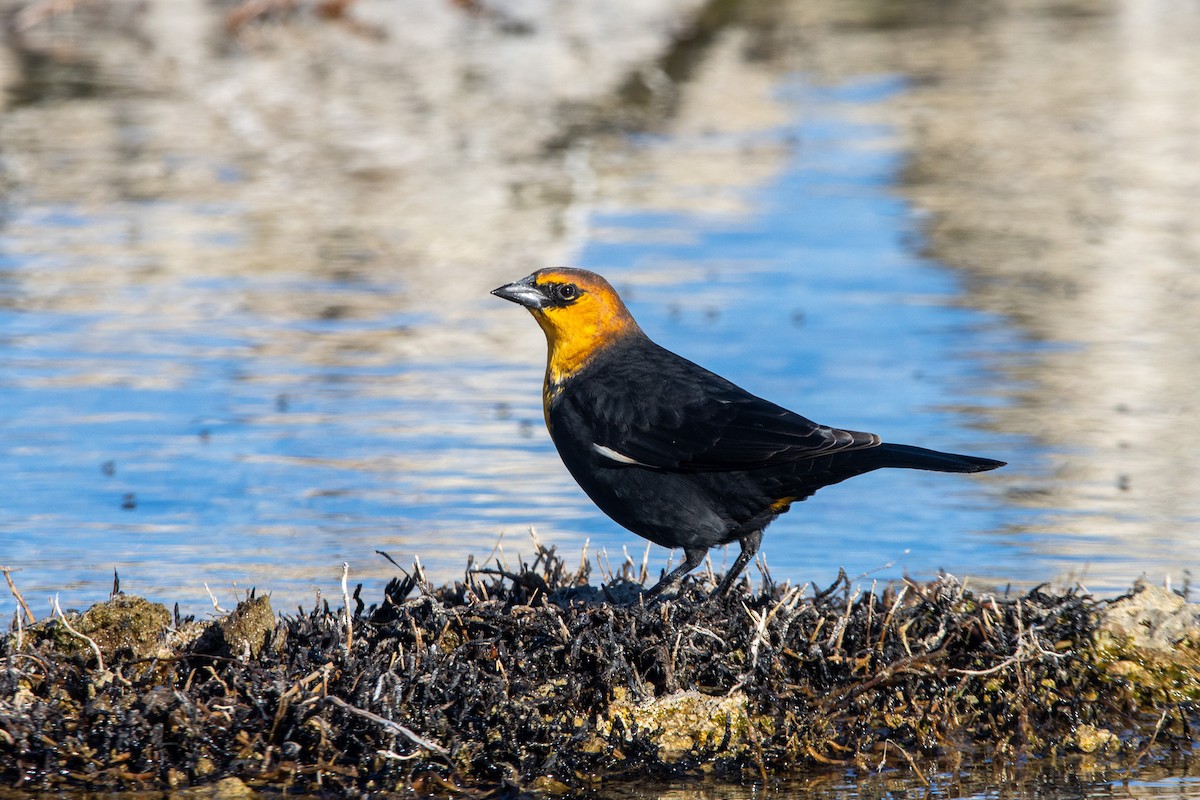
{"x":819,"y":302}
{"x":181,"y":429}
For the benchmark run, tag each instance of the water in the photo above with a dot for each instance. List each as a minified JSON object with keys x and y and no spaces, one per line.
{"x":242,"y":359}
{"x":816,"y":301}
{"x":1080,"y":782}
{"x":157,"y":428}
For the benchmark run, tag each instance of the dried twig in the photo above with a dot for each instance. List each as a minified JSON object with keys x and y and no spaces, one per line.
{"x":887,"y":620}
{"x":390,"y":725}
{"x":911,"y":762}
{"x":1149,"y":744}
{"x":63,"y":618}
{"x":216,"y":605}
{"x":346,"y":607}
{"x":12,"y":587}
{"x":584,"y":566}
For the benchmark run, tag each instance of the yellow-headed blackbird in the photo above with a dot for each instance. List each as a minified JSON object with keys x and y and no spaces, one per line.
{"x":671,"y":451}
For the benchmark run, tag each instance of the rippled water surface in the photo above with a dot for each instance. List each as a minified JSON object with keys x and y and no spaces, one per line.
{"x":1144,"y":783}
{"x":221,"y":366}
{"x":181,"y":430}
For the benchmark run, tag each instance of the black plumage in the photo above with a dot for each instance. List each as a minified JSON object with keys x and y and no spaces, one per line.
{"x":672,"y":451}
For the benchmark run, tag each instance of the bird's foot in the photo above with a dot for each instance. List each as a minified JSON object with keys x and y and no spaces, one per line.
{"x":658,"y":592}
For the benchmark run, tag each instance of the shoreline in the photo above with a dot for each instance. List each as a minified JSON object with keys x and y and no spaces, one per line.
{"x":538,"y":681}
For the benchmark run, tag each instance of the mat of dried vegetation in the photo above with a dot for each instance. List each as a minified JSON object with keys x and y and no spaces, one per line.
{"x":532,"y":679}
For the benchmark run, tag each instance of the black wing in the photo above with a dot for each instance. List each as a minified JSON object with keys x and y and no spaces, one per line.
{"x":649,"y":406}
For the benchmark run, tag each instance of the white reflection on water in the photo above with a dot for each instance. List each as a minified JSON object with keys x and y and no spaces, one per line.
{"x":250,"y":428}
{"x":242,"y":361}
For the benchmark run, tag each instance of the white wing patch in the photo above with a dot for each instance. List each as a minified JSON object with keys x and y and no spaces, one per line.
{"x":620,"y":458}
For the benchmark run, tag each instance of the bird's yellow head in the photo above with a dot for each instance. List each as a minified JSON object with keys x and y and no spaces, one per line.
{"x":579,"y":311}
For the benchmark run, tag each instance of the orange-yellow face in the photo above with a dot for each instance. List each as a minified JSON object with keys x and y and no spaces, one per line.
{"x":579,"y":312}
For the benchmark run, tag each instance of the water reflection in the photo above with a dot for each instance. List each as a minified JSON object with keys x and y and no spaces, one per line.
{"x":1076,"y":780}
{"x":259,"y":428}
{"x":246,"y":332}
{"x":1056,"y":148}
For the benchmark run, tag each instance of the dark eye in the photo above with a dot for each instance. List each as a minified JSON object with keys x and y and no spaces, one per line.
{"x":568,"y":291}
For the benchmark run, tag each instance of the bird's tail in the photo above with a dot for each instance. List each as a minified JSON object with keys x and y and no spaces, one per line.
{"x":810,"y":475}
{"x":906,"y":456}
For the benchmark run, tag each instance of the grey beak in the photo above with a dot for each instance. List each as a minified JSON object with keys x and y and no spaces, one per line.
{"x":523,"y":292}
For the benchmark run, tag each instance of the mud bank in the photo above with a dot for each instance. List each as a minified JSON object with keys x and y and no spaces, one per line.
{"x":532,"y":679}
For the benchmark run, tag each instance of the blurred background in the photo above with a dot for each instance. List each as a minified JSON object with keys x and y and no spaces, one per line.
{"x":246,"y":249}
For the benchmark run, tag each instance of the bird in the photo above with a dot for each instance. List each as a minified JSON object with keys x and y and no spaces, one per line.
{"x":671,"y":451}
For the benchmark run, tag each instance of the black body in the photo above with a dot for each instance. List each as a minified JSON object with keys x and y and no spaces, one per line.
{"x":715,"y":463}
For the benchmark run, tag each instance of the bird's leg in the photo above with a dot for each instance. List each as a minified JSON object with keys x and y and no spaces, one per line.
{"x":750,"y":543}
{"x":692,"y":556}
